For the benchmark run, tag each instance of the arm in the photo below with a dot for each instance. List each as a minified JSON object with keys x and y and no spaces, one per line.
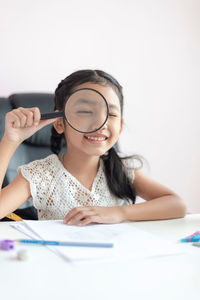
{"x":20,"y":124}
{"x":161,"y":203}
{"x":16,"y":193}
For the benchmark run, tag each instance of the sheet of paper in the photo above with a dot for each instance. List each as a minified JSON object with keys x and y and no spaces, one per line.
{"x":129,"y":242}
{"x":24,"y":228}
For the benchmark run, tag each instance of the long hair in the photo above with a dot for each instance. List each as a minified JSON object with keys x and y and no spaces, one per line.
{"x":117,"y":177}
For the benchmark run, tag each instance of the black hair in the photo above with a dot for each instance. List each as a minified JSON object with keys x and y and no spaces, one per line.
{"x":117,"y":177}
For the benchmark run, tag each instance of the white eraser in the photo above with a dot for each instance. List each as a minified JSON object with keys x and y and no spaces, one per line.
{"x":22,"y":255}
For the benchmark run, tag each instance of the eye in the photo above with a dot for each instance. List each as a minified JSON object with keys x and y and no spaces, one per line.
{"x":113,"y":115}
{"x":84,"y":112}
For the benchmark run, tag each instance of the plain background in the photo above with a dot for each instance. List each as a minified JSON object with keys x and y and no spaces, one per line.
{"x":151,"y":47}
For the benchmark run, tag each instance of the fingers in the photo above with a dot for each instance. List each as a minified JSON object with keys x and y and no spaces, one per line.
{"x":27,"y":117}
{"x":13,"y":118}
{"x":24,"y":117}
{"x":89,"y":220}
{"x":78,"y":214}
{"x":94,"y":214}
{"x":21,"y":123}
{"x":36,"y":115}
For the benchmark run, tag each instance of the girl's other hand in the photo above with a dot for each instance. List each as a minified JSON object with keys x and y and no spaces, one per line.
{"x":21,"y":123}
{"x":94,"y":214}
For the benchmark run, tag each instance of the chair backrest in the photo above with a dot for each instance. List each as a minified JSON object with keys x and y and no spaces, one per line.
{"x":38,"y":145}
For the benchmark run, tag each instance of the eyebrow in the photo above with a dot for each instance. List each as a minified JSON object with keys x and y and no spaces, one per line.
{"x":113,"y":106}
{"x":84,"y":101}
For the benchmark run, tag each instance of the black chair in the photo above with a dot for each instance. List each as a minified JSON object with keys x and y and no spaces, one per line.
{"x":35,"y":147}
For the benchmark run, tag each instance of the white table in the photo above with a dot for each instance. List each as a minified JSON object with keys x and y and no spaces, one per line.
{"x":47,"y":276}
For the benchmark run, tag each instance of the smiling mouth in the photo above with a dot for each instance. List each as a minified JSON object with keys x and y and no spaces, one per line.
{"x":92,"y":138}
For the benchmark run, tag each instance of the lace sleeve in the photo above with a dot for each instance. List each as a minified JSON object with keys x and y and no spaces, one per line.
{"x":39,"y":175}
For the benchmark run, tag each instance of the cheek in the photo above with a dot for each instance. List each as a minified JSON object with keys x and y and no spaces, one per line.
{"x":72,"y":136}
{"x":116,"y":127}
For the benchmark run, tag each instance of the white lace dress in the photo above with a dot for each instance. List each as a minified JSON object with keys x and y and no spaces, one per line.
{"x":54,"y":191}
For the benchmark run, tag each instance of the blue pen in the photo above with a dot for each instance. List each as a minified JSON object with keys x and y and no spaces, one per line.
{"x":60,"y":243}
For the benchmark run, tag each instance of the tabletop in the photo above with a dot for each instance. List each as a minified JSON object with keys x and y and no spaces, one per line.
{"x":47,"y":276}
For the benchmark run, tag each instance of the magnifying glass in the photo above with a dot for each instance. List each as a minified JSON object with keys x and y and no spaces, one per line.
{"x":85,"y":110}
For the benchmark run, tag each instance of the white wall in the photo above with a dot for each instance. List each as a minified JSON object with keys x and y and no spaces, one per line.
{"x":151,"y":47}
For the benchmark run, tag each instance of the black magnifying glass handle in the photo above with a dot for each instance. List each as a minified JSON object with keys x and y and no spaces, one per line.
{"x":52,"y":115}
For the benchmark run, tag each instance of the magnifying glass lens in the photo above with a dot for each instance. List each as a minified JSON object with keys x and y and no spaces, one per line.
{"x":86,"y":110}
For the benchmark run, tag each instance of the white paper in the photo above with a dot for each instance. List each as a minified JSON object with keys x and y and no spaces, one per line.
{"x":24,"y":228}
{"x":129,"y":242}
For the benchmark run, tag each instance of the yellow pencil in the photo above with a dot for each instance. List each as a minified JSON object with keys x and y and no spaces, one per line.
{"x":14,"y":217}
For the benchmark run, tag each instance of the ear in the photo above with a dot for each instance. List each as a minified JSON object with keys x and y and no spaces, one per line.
{"x":122,"y":125}
{"x":59,"y":125}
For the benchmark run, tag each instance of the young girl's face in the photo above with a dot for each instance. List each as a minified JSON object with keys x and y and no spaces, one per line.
{"x":99,"y":142}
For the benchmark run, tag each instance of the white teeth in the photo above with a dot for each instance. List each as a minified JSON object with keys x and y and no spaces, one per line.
{"x":95,"y":138}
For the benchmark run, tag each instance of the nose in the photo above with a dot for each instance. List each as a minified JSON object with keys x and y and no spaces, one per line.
{"x":105,"y":125}
{"x":95,"y":123}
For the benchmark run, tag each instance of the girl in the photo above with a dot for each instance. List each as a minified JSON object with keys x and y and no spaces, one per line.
{"x":89,"y":183}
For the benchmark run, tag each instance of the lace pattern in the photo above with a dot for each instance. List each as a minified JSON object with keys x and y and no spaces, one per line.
{"x":54,"y":191}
